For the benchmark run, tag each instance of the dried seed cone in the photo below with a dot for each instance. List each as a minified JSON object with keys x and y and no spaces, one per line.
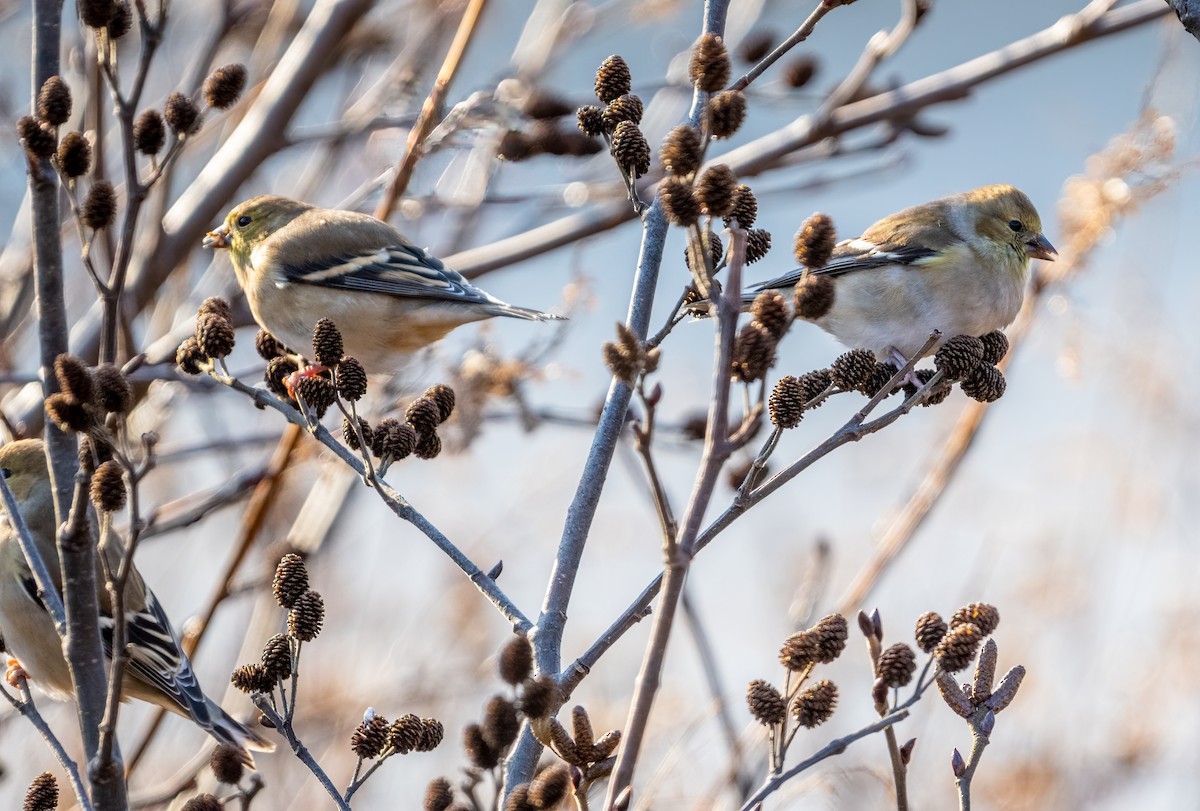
{"x":108,"y":487}
{"x":100,"y":206}
{"x":938,"y":392}
{"x":995,"y":346}
{"x":351,"y":379}
{"x":394,"y":439}
{"x":959,"y":356}
{"x":798,"y":651}
{"x":896,"y":665}
{"x":423,"y":414}
{"x":550,"y":787}
{"x":745,"y":207}
{"x":38,"y":139}
{"x":215,"y":305}
{"x":853,"y":369}
{"x":630,"y":150}
{"x":182,"y":115}
{"x":189,"y":358}
{"x":770,"y":310}
{"x":291,"y":580}
{"x":74,"y":155}
{"x":758,"y":243}
{"x":813,"y":297}
{"x":623,"y":108}
{"x":726,"y":112}
{"x":369,"y":737}
{"x":252,"y":679}
{"x":350,"y":437}
{"x":930,"y":630}
{"x":202,"y":802}
{"x":883,"y":373}
{"x":765,"y":702}
{"x":984,"y":616}
{"x":277,"y":657}
{"x":278,"y":371}
{"x":815,"y":704}
{"x":518,"y":799}
{"x":226,"y":764}
{"x":680,"y":151}
{"x":432,"y":733}
{"x":957,"y":648}
{"x":815,"y":241}
{"x":443,"y":397}
{"x":439,"y":796}
{"x":74,"y":377}
{"x":405,"y":734}
{"x":428,"y":446}
{"x":716,"y":190}
{"x":753,"y":353}
{"x":54,"y":102}
{"x":316,"y":391}
{"x":515,"y":662}
{"x":42,"y":794}
{"x":787,"y":402}
{"x":224,"y":86}
{"x":327,"y":343}
{"x":612,"y":79}
{"x":113,"y":391}
{"x":678,"y":202}
{"x":986,"y":384}
{"x":149,"y":133}
{"x":267,"y":345}
{"x":306,"y":616}
{"x":214,"y":335}
{"x":591,"y":120}
{"x":715,"y":252}
{"x":500,"y":723}
{"x":708,"y":68}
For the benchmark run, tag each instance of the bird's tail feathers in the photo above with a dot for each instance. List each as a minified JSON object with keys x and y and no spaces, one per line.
{"x":228,"y":730}
{"x":525,"y":313}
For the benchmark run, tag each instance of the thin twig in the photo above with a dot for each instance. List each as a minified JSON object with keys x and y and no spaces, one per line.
{"x":25,"y":706}
{"x":300,"y":750}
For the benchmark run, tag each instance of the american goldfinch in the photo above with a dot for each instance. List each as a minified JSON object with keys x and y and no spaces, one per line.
{"x":958,"y":265}
{"x":298,"y":264}
{"x":157,"y":670}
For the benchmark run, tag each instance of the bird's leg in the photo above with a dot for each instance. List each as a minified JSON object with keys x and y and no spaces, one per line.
{"x":15,"y":674}
{"x":901,"y":361}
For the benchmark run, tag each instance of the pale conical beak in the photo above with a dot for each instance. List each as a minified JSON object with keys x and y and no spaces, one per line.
{"x":219,"y":238}
{"x":1040,"y":248}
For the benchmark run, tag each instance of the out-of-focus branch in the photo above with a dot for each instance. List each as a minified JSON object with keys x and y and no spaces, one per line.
{"x":24,"y":705}
{"x":413,"y":150}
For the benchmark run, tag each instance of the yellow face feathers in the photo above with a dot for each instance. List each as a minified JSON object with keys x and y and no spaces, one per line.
{"x":1006,"y":215}
{"x":23,"y":465}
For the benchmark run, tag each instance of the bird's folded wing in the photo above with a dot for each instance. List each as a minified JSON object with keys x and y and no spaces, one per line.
{"x":154,"y":654}
{"x":400,"y":270}
{"x":853,"y":256}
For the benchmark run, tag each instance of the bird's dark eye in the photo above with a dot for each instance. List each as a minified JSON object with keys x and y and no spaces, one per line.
{"x":1015,"y":225}
{"x":244,"y":220}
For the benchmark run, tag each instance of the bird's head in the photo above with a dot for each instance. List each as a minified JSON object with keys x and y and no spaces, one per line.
{"x":1006,"y":216}
{"x":23,"y":465}
{"x":251,"y":222}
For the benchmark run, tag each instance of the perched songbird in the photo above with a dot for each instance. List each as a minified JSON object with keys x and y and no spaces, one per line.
{"x":958,"y":265}
{"x":298,"y":264}
{"x":157,"y":670}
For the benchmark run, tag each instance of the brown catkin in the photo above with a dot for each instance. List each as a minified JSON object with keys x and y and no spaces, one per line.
{"x":96,"y":13}
{"x":986,"y":384}
{"x":983,"y":615}
{"x":770,"y":309}
{"x":709,"y":66}
{"x":758,"y":243}
{"x":745,"y":207}
{"x":224,"y":86}
{"x":959,"y":356}
{"x":550,"y":787}
{"x":182,"y":115}
{"x":800,"y":72}
{"x":149,"y":133}
{"x":74,"y":378}
{"x":202,"y":802}
{"x":369,"y":737}
{"x":815,"y":704}
{"x":929,"y":631}
{"x":291,"y":580}
{"x":726,"y":112}
{"x":37,"y":137}
{"x":815,"y":241}
{"x":74,"y":155}
{"x":226,"y":764}
{"x":896,"y":665}
{"x":351,"y":379}
{"x":404,"y":735}
{"x":54,"y":102}
{"x":277,"y":657}
{"x":786,"y":405}
{"x":306,"y":616}
{"x":678,"y":201}
{"x":121,"y":21}
{"x":852,"y":370}
{"x":539,"y":696}
{"x":278,"y":371}
{"x":350,"y":437}
{"x":108,"y":487}
{"x":681,"y":150}
{"x":623,"y":108}
{"x":188,"y":356}
{"x":67,"y":413}
{"x":995,"y":346}
{"x":100,"y":206}
{"x":590,"y":119}
{"x":316,"y":391}
{"x":500,"y":723}
{"x":443,"y":397}
{"x":327,"y":343}
{"x":716,"y":190}
{"x":267,"y":345}
{"x":252,"y":679}
{"x":477,"y":750}
{"x":515,"y":662}
{"x":813,"y":296}
{"x":957,"y":648}
{"x":831,"y":633}
{"x":753,"y":353}
{"x":439,"y":796}
{"x":113,"y":391}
